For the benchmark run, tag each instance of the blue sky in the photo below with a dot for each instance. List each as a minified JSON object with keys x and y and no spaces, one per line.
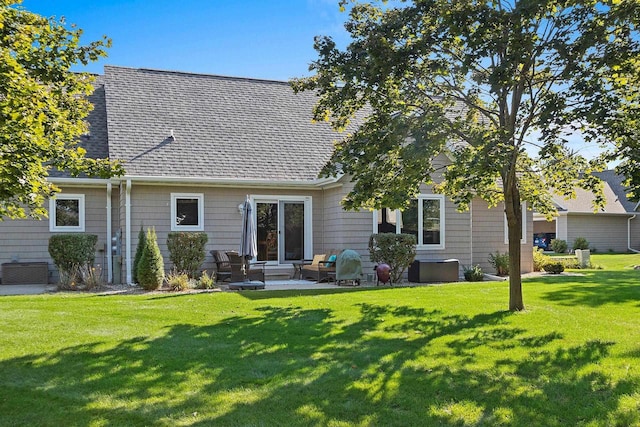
{"x":267,"y":39}
{"x":270,"y":39}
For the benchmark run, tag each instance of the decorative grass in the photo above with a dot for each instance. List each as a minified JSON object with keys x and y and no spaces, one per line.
{"x":436,"y":355}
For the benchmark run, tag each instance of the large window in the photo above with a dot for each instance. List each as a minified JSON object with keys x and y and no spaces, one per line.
{"x":66,"y":213}
{"x":424,"y":218}
{"x":187,"y":212}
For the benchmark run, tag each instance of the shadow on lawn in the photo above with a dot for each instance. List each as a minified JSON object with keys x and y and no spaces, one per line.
{"x":595,"y":288}
{"x":292,"y":366}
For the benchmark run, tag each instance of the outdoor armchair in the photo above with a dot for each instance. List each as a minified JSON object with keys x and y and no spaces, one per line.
{"x":323,"y":267}
{"x":223,"y":266}
{"x":251,"y":270}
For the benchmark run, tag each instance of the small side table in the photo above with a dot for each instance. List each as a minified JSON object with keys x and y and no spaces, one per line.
{"x":297,"y":267}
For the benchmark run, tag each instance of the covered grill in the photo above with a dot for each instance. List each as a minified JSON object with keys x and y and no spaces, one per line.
{"x":348,"y":267}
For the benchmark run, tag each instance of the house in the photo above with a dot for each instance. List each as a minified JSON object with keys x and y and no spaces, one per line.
{"x":615,"y":228}
{"x":195,"y":145}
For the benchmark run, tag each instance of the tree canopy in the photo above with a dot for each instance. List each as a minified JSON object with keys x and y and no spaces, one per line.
{"x":42,"y":108}
{"x":477,"y":80}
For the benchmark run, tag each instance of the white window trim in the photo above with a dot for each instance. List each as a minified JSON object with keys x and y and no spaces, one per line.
{"x":174,"y":208}
{"x":52,"y":213}
{"x":523,"y":239}
{"x":420,"y":198}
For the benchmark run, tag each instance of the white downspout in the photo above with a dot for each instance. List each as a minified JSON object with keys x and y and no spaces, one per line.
{"x":471,"y":233}
{"x":127,"y":227}
{"x":109,"y":245}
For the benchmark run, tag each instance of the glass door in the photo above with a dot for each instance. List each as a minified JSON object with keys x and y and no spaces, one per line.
{"x":267,"y":230}
{"x":280,"y":230}
{"x":293,"y":225}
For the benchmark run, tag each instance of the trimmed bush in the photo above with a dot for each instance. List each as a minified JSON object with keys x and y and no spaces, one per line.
{"x":397,"y":250}
{"x":70,"y":251}
{"x":142,"y":240}
{"x":554,"y":267}
{"x":559,"y":246}
{"x":500,"y":262}
{"x":539,"y":259}
{"x":473,"y":273}
{"x":580,"y":243}
{"x":186,"y":251}
{"x":151,"y":267}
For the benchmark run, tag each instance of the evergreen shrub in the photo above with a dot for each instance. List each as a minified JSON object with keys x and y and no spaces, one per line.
{"x":151,"y":266}
{"x":142,"y":240}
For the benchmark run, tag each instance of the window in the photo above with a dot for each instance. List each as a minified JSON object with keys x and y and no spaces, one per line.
{"x":424,"y":218}
{"x":523,"y":236}
{"x":187,"y":212}
{"x":66,"y":213}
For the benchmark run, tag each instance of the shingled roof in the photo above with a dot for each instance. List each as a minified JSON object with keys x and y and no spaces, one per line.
{"x":226,"y":128}
{"x":95,"y":141}
{"x":616,"y":201}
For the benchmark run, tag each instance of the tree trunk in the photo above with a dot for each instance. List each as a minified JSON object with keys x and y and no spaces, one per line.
{"x":513,"y":211}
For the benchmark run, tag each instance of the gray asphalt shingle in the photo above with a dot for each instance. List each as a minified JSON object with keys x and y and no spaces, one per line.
{"x":224,"y":127}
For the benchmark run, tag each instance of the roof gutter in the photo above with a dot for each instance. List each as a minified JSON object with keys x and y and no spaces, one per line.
{"x":85,"y":182}
{"x":212,"y":182}
{"x":231,"y":182}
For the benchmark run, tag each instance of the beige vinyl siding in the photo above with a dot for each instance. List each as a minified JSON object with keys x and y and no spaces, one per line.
{"x":151,"y":207}
{"x":543,"y":227}
{"x":28,"y":240}
{"x":603,"y":232}
{"x":488,"y":236}
{"x":457,"y":232}
{"x":346,"y":229}
{"x":561,"y":227}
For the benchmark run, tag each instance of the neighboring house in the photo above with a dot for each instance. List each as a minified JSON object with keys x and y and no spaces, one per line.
{"x":195,"y":145}
{"x":615,"y":228}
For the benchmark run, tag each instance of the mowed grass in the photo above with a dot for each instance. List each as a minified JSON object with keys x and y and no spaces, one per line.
{"x":435,"y":355}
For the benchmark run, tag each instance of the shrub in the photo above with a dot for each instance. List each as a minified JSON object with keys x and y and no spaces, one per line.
{"x":559,"y":246}
{"x":178,"y":281}
{"x":139,"y":249}
{"x":571,"y":263}
{"x":68,"y":280}
{"x":397,"y":250}
{"x":500,"y":262}
{"x":151,"y":267}
{"x":473,"y":273}
{"x":554,"y":267}
{"x":186,"y":251}
{"x":580,"y":243}
{"x":91,"y":277}
{"x":205,"y":281}
{"x":72,"y":250}
{"x":539,"y":259}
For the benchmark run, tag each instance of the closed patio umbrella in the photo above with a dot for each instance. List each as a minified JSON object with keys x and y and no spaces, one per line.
{"x":248,"y":243}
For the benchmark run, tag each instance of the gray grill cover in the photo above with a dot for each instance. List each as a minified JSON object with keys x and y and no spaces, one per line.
{"x":348,"y":265}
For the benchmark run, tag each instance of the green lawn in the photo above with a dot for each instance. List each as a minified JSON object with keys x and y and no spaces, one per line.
{"x":437,"y":355}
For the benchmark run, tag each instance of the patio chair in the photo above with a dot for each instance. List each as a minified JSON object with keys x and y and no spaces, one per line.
{"x":251,"y":271}
{"x":323,"y":267}
{"x":223,"y":265}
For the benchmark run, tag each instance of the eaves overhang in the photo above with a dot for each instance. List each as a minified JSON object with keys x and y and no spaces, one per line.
{"x":230,"y":182}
